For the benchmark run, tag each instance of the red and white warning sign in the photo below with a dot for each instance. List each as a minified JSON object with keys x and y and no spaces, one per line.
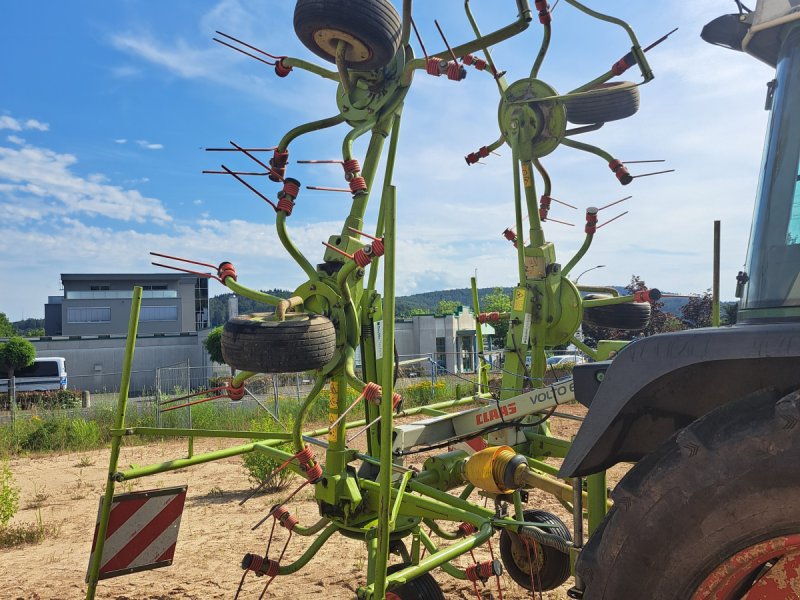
{"x":142,"y":531}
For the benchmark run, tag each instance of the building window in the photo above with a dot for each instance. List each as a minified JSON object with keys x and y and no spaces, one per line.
{"x":441,"y":357}
{"x":158,"y":313}
{"x":154,"y":287}
{"x":89,"y":314}
{"x":98,"y":288}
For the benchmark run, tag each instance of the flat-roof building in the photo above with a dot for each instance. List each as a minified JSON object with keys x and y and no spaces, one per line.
{"x":100,"y":304}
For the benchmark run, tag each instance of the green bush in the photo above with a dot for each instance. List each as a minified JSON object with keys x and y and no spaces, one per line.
{"x":83,"y":435}
{"x":261,"y":467}
{"x":9,"y":495}
{"x":424,"y":392}
{"x":49,"y":399}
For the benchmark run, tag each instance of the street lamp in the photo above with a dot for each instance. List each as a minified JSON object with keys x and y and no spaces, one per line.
{"x":586,"y":271}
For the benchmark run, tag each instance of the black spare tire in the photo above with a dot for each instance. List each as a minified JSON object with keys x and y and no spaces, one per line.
{"x":371,"y":28}
{"x":606,"y":102}
{"x":257,"y":342}
{"x":632,"y":316}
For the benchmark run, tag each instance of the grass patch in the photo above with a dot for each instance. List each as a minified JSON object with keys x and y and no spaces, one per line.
{"x":48,"y":431}
{"x":27,"y":533}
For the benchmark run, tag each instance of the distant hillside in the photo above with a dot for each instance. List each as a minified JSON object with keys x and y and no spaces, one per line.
{"x":428,"y":301}
{"x":405,"y":305}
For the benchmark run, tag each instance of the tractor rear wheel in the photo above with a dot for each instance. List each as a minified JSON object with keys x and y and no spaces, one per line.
{"x":423,"y":587}
{"x":531,"y":565}
{"x":714,"y":513}
{"x":612,"y":102}
{"x":632,"y":316}
{"x":256,"y":342}
{"x":371,"y":28}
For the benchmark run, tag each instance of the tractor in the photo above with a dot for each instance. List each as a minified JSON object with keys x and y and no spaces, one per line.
{"x":712,"y":416}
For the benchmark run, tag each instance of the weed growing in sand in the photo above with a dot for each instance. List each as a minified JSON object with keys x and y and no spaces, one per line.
{"x":9,"y":495}
{"x":40,"y":496}
{"x":260,"y":467}
{"x":216,"y":492}
{"x":27,"y":533}
{"x":85,"y":461}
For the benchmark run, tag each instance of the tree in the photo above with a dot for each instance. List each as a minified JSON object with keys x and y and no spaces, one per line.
{"x":17,"y":353}
{"x":730,"y":310}
{"x":697,"y":311}
{"x":6,"y":328}
{"x":498,"y":301}
{"x":213,"y":345}
{"x":446,"y":307}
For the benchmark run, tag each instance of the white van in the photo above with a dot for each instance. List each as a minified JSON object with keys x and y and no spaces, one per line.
{"x":44,"y":374}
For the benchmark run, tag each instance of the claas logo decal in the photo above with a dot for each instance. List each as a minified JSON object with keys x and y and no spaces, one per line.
{"x":486,"y":417}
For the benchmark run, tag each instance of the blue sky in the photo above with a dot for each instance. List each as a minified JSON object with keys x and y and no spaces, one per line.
{"x":105,"y":108}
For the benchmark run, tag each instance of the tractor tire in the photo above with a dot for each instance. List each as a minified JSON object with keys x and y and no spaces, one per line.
{"x":632,"y":316}
{"x":619,"y":100}
{"x":256,"y":343}
{"x":423,"y":587}
{"x":371,"y":27}
{"x":709,"y":500}
{"x":551,"y":566}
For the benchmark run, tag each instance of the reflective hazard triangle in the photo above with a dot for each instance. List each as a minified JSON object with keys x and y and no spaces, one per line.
{"x":142,"y":531}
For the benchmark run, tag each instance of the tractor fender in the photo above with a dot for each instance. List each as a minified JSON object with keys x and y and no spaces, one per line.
{"x":658,"y":385}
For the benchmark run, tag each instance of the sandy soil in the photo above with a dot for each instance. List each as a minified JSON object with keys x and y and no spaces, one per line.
{"x":215,"y":533}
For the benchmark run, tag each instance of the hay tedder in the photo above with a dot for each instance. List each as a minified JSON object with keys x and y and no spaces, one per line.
{"x":706,"y":413}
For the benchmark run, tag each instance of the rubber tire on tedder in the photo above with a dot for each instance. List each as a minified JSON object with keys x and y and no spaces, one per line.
{"x":257,"y":343}
{"x":554,"y":568}
{"x":423,"y":587}
{"x":632,"y":316}
{"x":721,"y":485}
{"x":618,"y":100}
{"x":373,"y":24}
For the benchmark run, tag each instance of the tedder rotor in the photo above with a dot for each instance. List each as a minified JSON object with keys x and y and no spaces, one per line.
{"x":338,"y":311}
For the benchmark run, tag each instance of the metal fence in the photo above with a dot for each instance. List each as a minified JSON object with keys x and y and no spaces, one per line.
{"x":423,"y":376}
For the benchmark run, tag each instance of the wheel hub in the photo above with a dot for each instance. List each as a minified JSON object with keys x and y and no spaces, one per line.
{"x":529,"y":559}
{"x":541,"y":124}
{"x":328,"y":40}
{"x":769,"y":570}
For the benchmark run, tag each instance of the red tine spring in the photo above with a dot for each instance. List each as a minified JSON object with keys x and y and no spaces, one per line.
{"x":291,"y":187}
{"x":432,"y":66}
{"x":465,"y":529}
{"x":361,"y":258}
{"x":378,"y":248}
{"x":372,"y":392}
{"x":481,"y":571}
{"x":454,"y":71}
{"x":358,"y":185}
{"x":286,"y":204}
{"x":351,"y":167}
{"x":225,"y":270}
{"x":488,"y":317}
{"x":235,"y":393}
{"x":282,"y":515}
{"x":470,"y":60}
{"x":281,"y":68}
{"x":255,"y":563}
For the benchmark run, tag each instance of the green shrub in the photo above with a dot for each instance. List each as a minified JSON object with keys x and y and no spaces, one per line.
{"x":9,"y":495}
{"x":49,"y":399}
{"x":424,"y":392}
{"x":83,"y":435}
{"x":261,"y":467}
{"x":27,"y":533}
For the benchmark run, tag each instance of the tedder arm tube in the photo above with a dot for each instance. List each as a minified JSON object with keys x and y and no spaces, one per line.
{"x":311,"y":552}
{"x":309,"y":127}
{"x":283,"y":235}
{"x":578,"y":255}
{"x":501,"y":80}
{"x":607,"y":301}
{"x":598,"y":289}
{"x":446,"y":567}
{"x":297,"y":427}
{"x":588,"y":148}
{"x":387,"y":180}
{"x":310,"y":67}
{"x":241,"y":290}
{"x":521,"y":24}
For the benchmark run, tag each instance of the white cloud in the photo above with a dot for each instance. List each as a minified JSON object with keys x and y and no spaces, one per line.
{"x":32,"y":173}
{"x":150,"y":145}
{"x":16,"y":140}
{"x":120,"y":141}
{"x":7,"y":122}
{"x":197,"y":202}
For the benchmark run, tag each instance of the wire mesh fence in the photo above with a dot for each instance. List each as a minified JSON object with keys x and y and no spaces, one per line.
{"x":422,"y":378}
